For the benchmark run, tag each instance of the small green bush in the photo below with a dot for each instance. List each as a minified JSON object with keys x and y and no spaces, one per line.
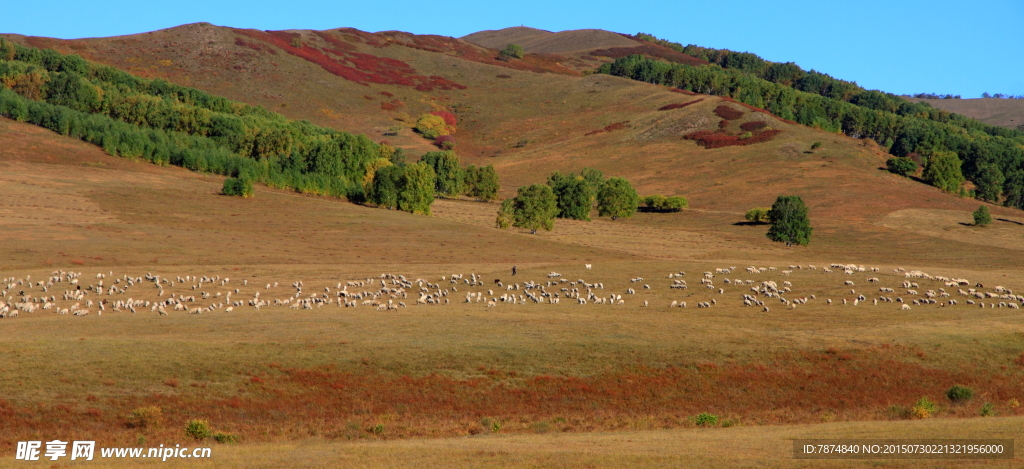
{"x":815,"y":145}
{"x":224,"y":438}
{"x":901,"y":166}
{"x":988,"y":410}
{"x":757,"y":215}
{"x":241,"y":187}
{"x":923,"y":409}
{"x":492,"y":425}
{"x":705,"y":419}
{"x":377,"y":429}
{"x":512,"y":51}
{"x":960,"y":393}
{"x":982,"y":216}
{"x":661,"y":203}
{"x":198,"y":429}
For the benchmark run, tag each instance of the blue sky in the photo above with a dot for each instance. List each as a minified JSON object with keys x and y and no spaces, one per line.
{"x":938,"y":46}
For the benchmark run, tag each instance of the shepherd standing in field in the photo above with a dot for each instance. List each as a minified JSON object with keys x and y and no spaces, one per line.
{"x":514,"y":270}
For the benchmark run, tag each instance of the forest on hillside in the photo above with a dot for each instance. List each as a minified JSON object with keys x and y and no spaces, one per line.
{"x":991,"y":157}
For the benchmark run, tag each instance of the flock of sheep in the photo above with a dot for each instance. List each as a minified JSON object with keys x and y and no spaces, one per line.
{"x":69,"y":293}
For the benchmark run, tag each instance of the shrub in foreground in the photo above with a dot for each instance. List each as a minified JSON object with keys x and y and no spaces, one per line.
{"x":960,"y":393}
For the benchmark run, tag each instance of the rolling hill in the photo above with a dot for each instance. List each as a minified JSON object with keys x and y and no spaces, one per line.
{"x":1002,"y":112}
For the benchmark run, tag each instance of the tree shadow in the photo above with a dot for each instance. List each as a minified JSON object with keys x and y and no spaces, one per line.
{"x":1010,"y":221}
{"x":749,"y":223}
{"x":967,"y":224}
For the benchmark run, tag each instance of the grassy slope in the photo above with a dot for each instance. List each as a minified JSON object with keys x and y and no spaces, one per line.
{"x":1001,"y":112}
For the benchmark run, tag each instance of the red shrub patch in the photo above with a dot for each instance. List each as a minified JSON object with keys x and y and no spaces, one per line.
{"x":753,"y":125}
{"x":256,"y":47}
{"x":727,"y":112}
{"x":723,"y":124}
{"x":171,"y":382}
{"x":392,"y":105}
{"x":668,"y":107}
{"x":609,"y":128}
{"x":541,"y":63}
{"x":385,"y":93}
{"x":448,"y":117}
{"x":354,"y":66}
{"x":709,"y":139}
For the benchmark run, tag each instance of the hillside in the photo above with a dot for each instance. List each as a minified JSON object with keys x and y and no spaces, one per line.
{"x":535,"y":121}
{"x":540,"y":41}
{"x":1002,"y":112}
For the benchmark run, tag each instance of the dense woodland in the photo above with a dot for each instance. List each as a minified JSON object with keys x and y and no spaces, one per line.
{"x":991,"y":157}
{"x":169,"y":124}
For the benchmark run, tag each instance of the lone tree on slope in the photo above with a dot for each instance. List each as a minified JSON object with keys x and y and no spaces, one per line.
{"x":789,"y":221}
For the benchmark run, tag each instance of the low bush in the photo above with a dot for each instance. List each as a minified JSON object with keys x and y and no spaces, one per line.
{"x":660,"y":203}
{"x":960,"y":393}
{"x":224,"y":438}
{"x":146,"y":417}
{"x":982,"y":216}
{"x":902,"y":166}
{"x":241,"y":187}
{"x":988,"y":410}
{"x":922,"y":409}
{"x":757,"y":215}
{"x":512,"y":51}
{"x":705,"y":419}
{"x":198,"y":429}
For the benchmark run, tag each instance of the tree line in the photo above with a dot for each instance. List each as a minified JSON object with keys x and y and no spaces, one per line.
{"x":993,"y":159}
{"x":169,"y":124}
{"x":573,"y":196}
{"x":395,"y":184}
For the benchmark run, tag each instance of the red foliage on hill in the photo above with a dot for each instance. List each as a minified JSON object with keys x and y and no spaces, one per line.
{"x":650,"y":50}
{"x":241,"y":42}
{"x":353,"y":66}
{"x":753,"y":125}
{"x":726,"y":112}
{"x":709,"y":139}
{"x":668,"y":107}
{"x":392,"y":105}
{"x":448,"y":117}
{"x":541,"y":63}
{"x":609,"y":128}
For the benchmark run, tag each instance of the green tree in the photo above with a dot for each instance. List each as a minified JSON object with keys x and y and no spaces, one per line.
{"x":447,"y":171}
{"x":575,"y":197}
{"x":534,"y":207}
{"x":654,"y":202}
{"x":481,"y":182}
{"x":594,"y":179}
{"x":383,"y":191}
{"x":901,"y":166}
{"x":675,"y":203}
{"x":416,"y":188}
{"x":943,"y":171}
{"x":617,"y":198}
{"x":989,"y":180}
{"x":982,"y":216}
{"x":790,"y":224}
{"x":512,"y":51}
{"x":506,"y":214}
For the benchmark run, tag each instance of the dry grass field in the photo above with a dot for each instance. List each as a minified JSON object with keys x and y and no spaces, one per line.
{"x":518,"y":384}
